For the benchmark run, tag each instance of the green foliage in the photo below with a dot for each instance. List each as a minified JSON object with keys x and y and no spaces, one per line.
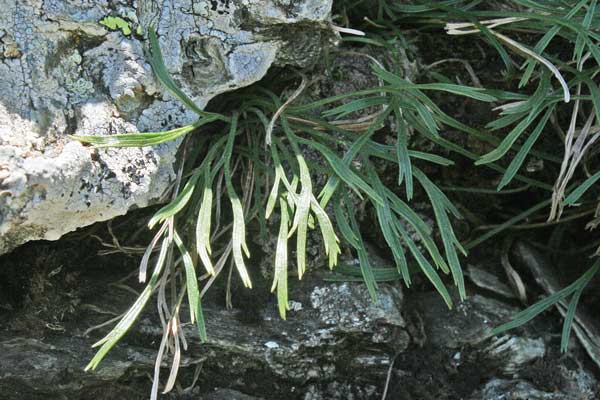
{"x":574,"y":289}
{"x":116,"y":23}
{"x":265,"y":153}
{"x":240,"y":152}
{"x":557,"y":42}
{"x":133,"y":313}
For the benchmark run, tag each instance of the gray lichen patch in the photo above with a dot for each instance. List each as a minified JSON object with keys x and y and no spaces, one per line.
{"x":119,"y":67}
{"x":350,"y":307}
{"x":8,"y":47}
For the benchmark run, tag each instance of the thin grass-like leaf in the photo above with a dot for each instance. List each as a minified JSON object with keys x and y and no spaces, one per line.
{"x":508,"y":141}
{"x":353,"y":273}
{"x":132,"y":314}
{"x":281,"y":261}
{"x":576,"y":194}
{"x":427,"y":117}
{"x":516,"y":163}
{"x":587,"y":21}
{"x":432,"y":158}
{"x":349,"y":228}
{"x":531,"y":108}
{"x":544,"y":41}
{"x":440,"y":206}
{"x":272,"y":199}
{"x":570,"y":316}
{"x":139,"y":139}
{"x":301,"y":216}
{"x":387,"y":221}
{"x":404,"y":165}
{"x":160,"y":70}
{"x":203,"y":223}
{"x":291,"y":187}
{"x":192,"y":287}
{"x":426,"y":267}
{"x":333,"y":181}
{"x":239,"y":224}
{"x":330,"y":239}
{"x":422,"y":229}
{"x":178,"y":203}
{"x":461,"y":90}
{"x":354,"y":106}
{"x":548,"y":301}
{"x":528,"y":52}
{"x":595,"y":94}
{"x":367,"y":272}
{"x":300,"y":224}
{"x":345,"y":173}
{"x":146,"y":257}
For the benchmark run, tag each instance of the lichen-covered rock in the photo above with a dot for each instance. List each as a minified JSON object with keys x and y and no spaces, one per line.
{"x":63,"y":71}
{"x":582,"y":386}
{"x":228,"y":394}
{"x":317,"y":353}
{"x":350,"y":308}
{"x":470,"y":323}
{"x":335,"y":344}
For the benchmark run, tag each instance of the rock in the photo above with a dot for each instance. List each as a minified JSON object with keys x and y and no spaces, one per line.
{"x":489,"y":281}
{"x":338,"y":345}
{"x":228,"y":394}
{"x":458,"y":357}
{"x":349,"y":308}
{"x":585,"y":324}
{"x":469,"y":323}
{"x":54,"y":369}
{"x":337,"y":391}
{"x":516,"y":352}
{"x":500,"y":389}
{"x":62,"y":72}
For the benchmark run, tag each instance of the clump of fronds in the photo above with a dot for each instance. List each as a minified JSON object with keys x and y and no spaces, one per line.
{"x":552,"y":45}
{"x":258,"y":163}
{"x":254,"y":162}
{"x":576,"y":75}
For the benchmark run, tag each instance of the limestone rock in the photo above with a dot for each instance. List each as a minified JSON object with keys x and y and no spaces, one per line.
{"x":63,"y":72}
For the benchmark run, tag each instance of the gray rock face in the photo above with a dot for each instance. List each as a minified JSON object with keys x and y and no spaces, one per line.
{"x":335,"y":344}
{"x":316,"y":354}
{"x":581,"y":386}
{"x":62,"y":72}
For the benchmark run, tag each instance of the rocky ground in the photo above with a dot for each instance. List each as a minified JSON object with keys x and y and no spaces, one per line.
{"x":336,"y":343}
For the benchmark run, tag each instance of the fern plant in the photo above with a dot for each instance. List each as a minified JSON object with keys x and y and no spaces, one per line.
{"x":258,"y":162}
{"x":557,"y":43}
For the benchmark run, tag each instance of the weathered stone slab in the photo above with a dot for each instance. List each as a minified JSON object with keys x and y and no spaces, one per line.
{"x":64,"y":71}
